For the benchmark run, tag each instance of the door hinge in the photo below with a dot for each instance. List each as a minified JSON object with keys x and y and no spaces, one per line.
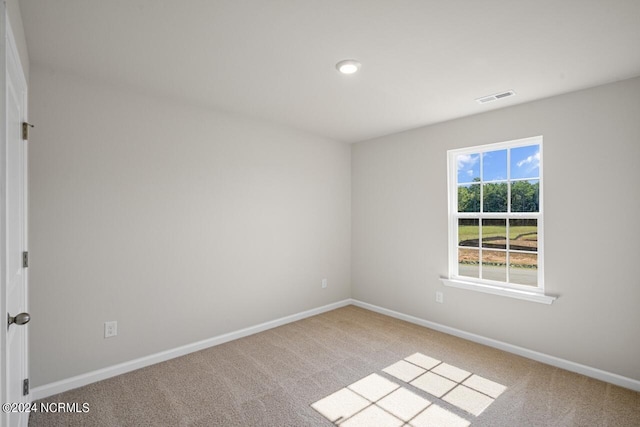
{"x":25,"y":387}
{"x":25,"y":130}
{"x":25,"y":259}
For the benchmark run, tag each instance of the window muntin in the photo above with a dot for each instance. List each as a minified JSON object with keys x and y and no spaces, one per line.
{"x":496,"y":214}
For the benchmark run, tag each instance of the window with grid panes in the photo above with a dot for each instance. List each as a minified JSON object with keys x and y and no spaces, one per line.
{"x":496,"y":215}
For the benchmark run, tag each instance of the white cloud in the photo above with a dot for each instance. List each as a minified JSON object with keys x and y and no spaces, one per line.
{"x":532,"y":161}
{"x":467,"y":161}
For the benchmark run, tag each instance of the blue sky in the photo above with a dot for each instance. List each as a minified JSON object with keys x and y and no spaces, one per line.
{"x":525,"y":163}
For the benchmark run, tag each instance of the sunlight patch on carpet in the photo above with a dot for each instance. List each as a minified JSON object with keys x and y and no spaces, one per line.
{"x":468,"y":400}
{"x":403,"y":404}
{"x":434,"y":415}
{"x":433,"y":393}
{"x":373,"y":387}
{"x":340,"y":405}
{"x":433,"y":384}
{"x":404,"y":371}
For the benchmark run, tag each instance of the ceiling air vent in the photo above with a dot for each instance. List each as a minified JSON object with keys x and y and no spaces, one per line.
{"x":495,"y":97}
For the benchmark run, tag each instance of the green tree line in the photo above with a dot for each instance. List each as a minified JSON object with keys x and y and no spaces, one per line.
{"x":524,"y":197}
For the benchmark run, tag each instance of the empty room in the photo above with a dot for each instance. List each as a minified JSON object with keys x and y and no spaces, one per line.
{"x":314,"y":213}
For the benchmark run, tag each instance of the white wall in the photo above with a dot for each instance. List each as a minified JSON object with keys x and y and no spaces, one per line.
{"x":592,"y":227}
{"x":178,"y":222}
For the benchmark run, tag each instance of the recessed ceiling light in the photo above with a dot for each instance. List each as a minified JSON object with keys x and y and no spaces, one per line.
{"x":348,"y":66}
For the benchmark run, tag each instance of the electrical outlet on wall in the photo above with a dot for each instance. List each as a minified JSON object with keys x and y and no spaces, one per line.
{"x":324,"y":283}
{"x":439,"y":297}
{"x":110,"y":329}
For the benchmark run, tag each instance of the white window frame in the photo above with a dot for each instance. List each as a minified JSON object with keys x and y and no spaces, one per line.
{"x":513,"y":290}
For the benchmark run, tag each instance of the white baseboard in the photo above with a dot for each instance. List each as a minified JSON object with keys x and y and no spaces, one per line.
{"x":121,"y":368}
{"x":598,"y":374}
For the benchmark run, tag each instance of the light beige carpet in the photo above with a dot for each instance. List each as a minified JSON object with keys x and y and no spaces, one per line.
{"x":273,"y":379}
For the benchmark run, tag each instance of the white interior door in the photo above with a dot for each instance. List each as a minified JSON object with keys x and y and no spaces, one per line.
{"x":15,"y":280}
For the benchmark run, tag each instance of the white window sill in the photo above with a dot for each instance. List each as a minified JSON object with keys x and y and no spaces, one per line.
{"x":497,"y":290}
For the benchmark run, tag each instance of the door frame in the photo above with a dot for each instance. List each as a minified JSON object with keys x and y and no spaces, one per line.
{"x":9,"y":57}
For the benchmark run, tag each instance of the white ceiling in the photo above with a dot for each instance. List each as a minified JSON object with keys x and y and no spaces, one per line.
{"x":423,"y":61}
